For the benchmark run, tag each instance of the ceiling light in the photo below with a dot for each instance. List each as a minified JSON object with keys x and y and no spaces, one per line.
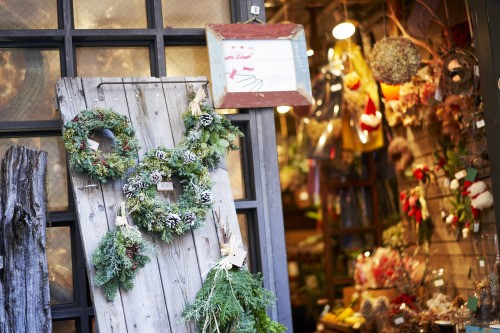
{"x":343,"y":30}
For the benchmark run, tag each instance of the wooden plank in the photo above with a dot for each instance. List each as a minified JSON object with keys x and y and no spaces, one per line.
{"x":163,"y":287}
{"x":90,"y":207}
{"x":148,"y":106}
{"x":152,"y":315}
{"x":205,"y":238}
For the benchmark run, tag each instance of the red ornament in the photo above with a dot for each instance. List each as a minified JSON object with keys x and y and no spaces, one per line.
{"x":133,"y":268}
{"x":418,"y":173}
{"x":418,"y":216}
{"x":370,"y":120}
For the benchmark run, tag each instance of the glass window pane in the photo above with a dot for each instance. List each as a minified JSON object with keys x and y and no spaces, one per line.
{"x":56,"y":177}
{"x":116,"y":14}
{"x":63,"y":326}
{"x":113,"y":61}
{"x":235,"y":170}
{"x":245,"y":238}
{"x":27,"y":84}
{"x":354,"y":207}
{"x":195,"y":14}
{"x":187,"y":61}
{"x":28,"y":14}
{"x":60,"y":265}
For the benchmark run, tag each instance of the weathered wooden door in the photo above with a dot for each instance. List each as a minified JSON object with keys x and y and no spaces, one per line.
{"x":163,"y":287}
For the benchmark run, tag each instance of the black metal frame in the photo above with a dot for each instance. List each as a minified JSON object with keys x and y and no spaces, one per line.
{"x":484,"y":14}
{"x":262,"y":203}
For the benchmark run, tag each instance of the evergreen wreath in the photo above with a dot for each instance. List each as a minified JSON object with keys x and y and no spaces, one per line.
{"x":208,"y":134}
{"x":121,"y":252}
{"x":165,"y":217}
{"x":232,"y":300}
{"x":97,"y":165}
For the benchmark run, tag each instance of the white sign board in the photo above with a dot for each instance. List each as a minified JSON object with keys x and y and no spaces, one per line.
{"x":259,"y":65}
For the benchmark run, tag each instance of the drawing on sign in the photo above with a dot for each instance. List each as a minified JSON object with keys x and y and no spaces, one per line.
{"x":259,"y":65}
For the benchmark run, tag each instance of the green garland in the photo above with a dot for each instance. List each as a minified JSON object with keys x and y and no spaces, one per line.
{"x":232,"y":300}
{"x":120,"y":254}
{"x":97,"y":165}
{"x":209,"y":135}
{"x":169,"y":218}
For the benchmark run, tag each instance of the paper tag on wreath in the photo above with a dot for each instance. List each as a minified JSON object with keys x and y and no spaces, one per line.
{"x":94,"y":145}
{"x":237,"y":257}
{"x":165,"y":186}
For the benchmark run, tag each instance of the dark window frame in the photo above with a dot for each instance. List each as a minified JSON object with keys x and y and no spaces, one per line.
{"x":263,"y":196}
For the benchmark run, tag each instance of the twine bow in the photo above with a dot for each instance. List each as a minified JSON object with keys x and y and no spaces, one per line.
{"x":194,"y":105}
{"x":121,"y":220}
{"x":227,"y":250}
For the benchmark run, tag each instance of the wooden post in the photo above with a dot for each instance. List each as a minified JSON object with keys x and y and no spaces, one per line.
{"x":24,"y":278}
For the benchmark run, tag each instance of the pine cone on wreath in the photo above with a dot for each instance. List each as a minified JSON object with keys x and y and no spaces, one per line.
{"x":161,"y":154}
{"x":131,"y":251}
{"x":189,"y":218}
{"x":142,"y":184}
{"x":155,"y":177}
{"x":128,"y":190}
{"x":189,"y":157}
{"x":206,"y":198}
{"x":172,"y":220}
{"x":205,"y":119}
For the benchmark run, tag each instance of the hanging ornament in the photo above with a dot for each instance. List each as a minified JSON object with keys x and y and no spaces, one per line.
{"x":390,"y":92}
{"x":370,"y":120}
{"x":458,"y":73}
{"x":352,"y":81}
{"x":394,"y":60}
{"x":481,"y":197}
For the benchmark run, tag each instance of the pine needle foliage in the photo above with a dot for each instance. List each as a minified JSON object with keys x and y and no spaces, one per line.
{"x":209,"y":135}
{"x":98,"y":165}
{"x":120,"y":254}
{"x":151,"y":211}
{"x":230,"y":301}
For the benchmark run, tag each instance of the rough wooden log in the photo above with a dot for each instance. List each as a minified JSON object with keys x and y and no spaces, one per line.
{"x":24,"y":279}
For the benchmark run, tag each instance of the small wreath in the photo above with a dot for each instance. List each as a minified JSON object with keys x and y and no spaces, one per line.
{"x":165,"y":217}
{"x":97,"y":165}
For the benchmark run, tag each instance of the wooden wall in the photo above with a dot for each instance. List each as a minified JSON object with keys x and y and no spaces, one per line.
{"x":455,"y":257}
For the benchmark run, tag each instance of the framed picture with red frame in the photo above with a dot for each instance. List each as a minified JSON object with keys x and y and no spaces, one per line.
{"x":258,"y":65}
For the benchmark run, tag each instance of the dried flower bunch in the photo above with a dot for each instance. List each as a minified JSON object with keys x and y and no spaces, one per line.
{"x":394,"y":60}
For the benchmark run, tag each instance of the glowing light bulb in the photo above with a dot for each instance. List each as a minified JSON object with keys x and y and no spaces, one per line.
{"x":283,"y":109}
{"x":343,"y":30}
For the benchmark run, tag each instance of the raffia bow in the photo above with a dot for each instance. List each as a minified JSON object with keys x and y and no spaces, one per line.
{"x":227,"y":251}
{"x":194,"y":105}
{"x":121,"y":220}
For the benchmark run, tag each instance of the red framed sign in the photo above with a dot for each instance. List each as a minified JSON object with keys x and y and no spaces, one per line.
{"x":258,"y":65}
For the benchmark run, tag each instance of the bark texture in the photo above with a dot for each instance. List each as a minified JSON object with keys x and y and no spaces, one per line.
{"x":24,"y":280}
